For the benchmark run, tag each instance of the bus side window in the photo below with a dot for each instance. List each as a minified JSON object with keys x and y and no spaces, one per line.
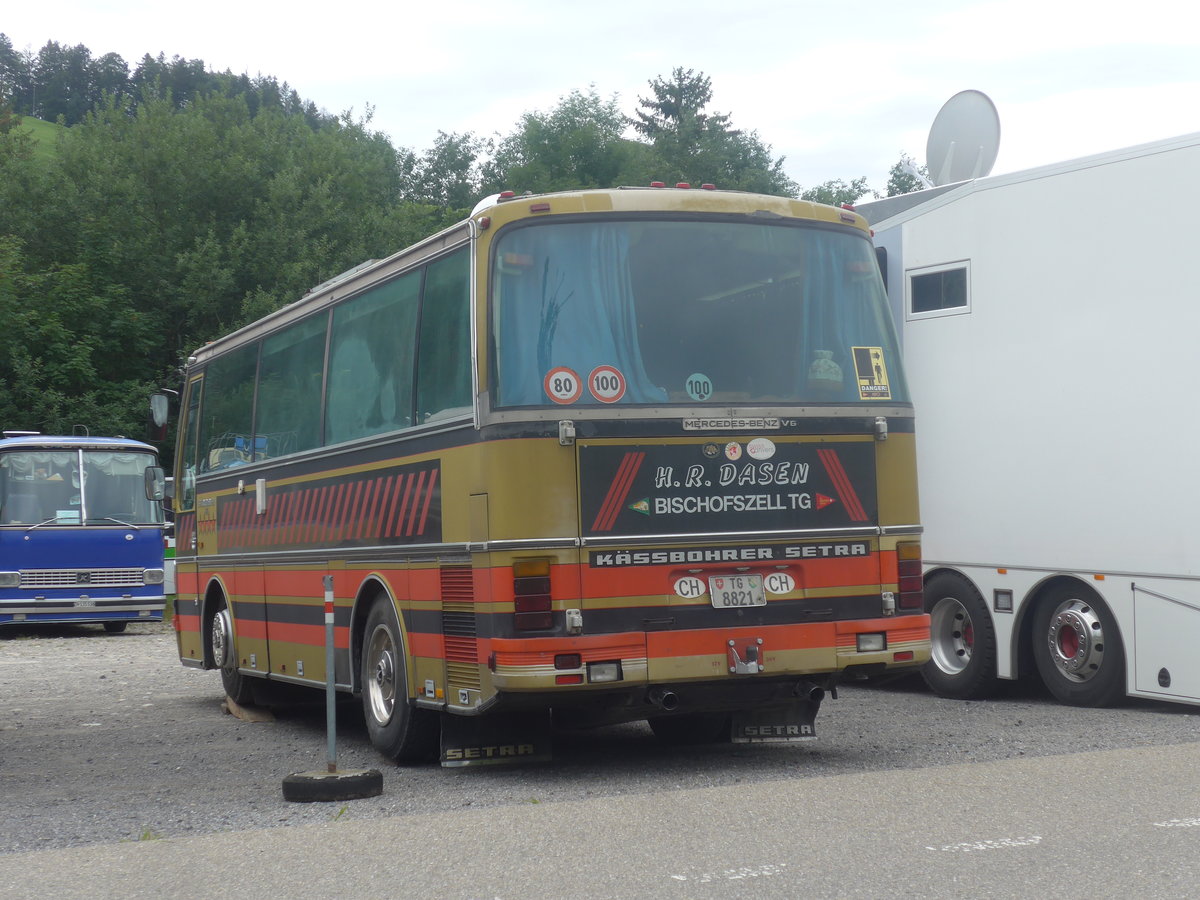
{"x":444,"y":379}
{"x":371,"y":361}
{"x":188,"y":428}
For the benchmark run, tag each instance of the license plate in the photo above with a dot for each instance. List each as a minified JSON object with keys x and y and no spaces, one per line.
{"x":732,"y":591}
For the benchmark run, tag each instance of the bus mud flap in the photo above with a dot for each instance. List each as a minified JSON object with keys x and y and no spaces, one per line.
{"x":496,"y":740}
{"x":777,"y":724}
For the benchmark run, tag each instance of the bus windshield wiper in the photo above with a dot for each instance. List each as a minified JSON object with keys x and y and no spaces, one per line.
{"x":119,"y":522}
{"x":47,"y":522}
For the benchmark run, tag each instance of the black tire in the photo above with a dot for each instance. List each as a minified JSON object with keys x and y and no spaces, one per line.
{"x":962,"y":665}
{"x":1077,"y":647}
{"x":325,"y":787}
{"x":398,"y":729}
{"x":691,"y":729}
{"x":224,"y":655}
{"x":115,"y":627}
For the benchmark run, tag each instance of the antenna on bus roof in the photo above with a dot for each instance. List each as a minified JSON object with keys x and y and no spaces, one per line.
{"x":964,"y":139}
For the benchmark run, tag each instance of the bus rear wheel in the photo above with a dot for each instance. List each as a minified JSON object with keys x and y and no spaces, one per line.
{"x":224,"y":655}
{"x":962,"y":662}
{"x":1077,"y":647}
{"x":115,"y":627}
{"x":398,"y":730}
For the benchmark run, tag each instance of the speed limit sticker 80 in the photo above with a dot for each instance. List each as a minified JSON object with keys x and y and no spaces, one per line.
{"x":563,"y":385}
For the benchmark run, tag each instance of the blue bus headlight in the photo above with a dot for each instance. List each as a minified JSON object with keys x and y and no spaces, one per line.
{"x":152,"y":576}
{"x":10,"y":579}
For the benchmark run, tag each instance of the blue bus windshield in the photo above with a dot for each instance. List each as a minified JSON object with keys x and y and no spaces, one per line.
{"x":64,"y":487}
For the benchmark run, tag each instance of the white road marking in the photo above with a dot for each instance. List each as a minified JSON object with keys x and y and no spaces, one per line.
{"x":998,"y":844}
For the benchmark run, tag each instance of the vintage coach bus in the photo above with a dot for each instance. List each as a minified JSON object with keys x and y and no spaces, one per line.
{"x":586,"y":457}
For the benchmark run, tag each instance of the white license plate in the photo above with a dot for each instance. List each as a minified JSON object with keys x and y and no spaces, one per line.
{"x":731,"y":591}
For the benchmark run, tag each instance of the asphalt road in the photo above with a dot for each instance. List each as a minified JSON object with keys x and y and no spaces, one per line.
{"x":122,"y":776}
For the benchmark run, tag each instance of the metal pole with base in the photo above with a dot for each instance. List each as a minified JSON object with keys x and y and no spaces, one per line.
{"x":331,"y":785}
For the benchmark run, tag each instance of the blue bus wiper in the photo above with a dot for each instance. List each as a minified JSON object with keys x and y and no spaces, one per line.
{"x":47,"y":522}
{"x":119,"y":522}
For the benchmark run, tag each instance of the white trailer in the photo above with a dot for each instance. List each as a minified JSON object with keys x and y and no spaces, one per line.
{"x":1051,"y":323}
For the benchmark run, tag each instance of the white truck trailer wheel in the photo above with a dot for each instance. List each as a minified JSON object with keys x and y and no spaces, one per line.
{"x":962,"y":664}
{"x":1077,"y":647}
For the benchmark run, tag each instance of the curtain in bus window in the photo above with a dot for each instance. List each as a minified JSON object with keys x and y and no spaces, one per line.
{"x":370,"y":389}
{"x":565,"y":298}
{"x":39,"y":486}
{"x":114,"y":488}
{"x":852,"y":313}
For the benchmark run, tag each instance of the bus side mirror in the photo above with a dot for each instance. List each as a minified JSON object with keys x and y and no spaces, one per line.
{"x":156,"y":483}
{"x":160,"y":411}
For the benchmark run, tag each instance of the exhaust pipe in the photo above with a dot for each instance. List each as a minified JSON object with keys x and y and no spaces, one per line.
{"x":667,"y":701}
{"x":813,"y":693}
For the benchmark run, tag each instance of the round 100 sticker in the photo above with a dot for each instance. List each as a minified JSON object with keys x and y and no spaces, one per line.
{"x":563,"y":385}
{"x":607,"y":384}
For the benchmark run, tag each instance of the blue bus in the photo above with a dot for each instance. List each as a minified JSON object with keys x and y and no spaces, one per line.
{"x":81,"y":531}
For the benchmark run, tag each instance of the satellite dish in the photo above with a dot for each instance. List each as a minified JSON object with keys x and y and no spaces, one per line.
{"x":964,"y":139}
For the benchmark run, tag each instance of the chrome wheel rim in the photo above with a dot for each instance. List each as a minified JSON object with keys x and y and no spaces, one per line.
{"x":1075,"y":640}
{"x":222,"y":639}
{"x":952,"y":635}
{"x":381,"y":675}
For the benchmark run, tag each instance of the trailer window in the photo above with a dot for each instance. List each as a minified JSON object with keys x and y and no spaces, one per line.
{"x":939,"y":290}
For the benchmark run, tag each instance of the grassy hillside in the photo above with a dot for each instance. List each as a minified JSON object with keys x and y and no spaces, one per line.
{"x":43,"y":132}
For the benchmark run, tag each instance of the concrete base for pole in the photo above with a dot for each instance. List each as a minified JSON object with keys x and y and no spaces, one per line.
{"x":324,"y":787}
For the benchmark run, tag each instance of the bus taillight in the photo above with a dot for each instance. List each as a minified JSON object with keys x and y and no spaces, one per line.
{"x":531,"y":595}
{"x":908,"y":565}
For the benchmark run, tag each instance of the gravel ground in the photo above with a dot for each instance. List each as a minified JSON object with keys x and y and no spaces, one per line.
{"x":107,"y":738}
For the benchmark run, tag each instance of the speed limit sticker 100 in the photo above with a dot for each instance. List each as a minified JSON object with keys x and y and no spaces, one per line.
{"x":607,"y":384}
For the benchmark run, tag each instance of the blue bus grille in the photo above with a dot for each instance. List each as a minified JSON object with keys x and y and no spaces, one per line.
{"x":72,"y":578}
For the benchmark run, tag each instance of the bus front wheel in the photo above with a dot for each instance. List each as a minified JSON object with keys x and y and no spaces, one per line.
{"x":398,"y":730}
{"x":962,"y":661}
{"x":1077,"y":647}
{"x":224,"y":655}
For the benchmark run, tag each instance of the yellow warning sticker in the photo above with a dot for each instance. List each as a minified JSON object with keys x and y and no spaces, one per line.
{"x":871,"y":372}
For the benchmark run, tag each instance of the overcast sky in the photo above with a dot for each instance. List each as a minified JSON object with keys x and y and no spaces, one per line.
{"x":839,"y":89}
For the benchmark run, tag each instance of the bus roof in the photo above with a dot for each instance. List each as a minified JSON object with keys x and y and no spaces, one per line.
{"x":72,"y":442}
{"x":500,"y":209}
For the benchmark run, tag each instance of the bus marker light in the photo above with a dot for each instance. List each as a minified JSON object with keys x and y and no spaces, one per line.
{"x":568,"y":679}
{"x":657,"y":184}
{"x":682,"y":184}
{"x":871,"y":643}
{"x":539,"y":207}
{"x":602,"y":672}
{"x":567,"y":661}
{"x":708,"y":187}
{"x":902,"y":656}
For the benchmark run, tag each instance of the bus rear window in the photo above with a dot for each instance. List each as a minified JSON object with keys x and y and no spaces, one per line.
{"x":689,"y":312}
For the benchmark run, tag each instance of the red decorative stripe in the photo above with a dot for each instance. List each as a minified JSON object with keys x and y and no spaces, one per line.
{"x":841,"y":482}
{"x":428,"y":499}
{"x":618,"y":491}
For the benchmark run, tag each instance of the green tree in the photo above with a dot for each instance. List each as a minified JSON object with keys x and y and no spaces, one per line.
{"x":447,"y":174}
{"x":577,"y":144}
{"x":838,"y":191}
{"x":906,"y":176}
{"x":696,"y":146}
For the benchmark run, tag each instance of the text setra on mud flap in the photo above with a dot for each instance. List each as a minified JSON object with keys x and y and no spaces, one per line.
{"x":779,"y":724}
{"x":516,"y":738}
